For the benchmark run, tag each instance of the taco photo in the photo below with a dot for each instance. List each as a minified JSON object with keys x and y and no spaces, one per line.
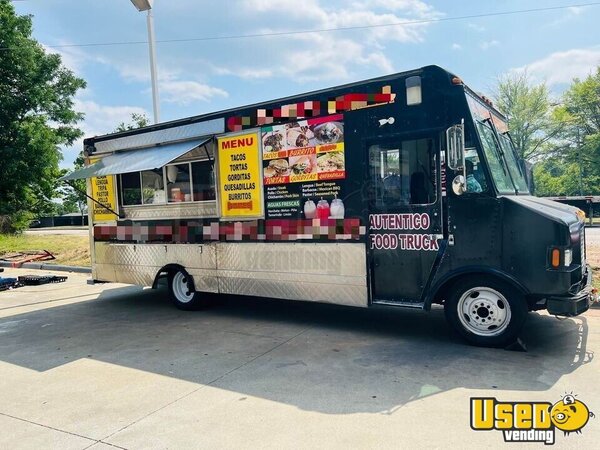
{"x":273,"y":141}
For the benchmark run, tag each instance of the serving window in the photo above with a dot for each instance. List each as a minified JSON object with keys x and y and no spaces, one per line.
{"x":189,"y":178}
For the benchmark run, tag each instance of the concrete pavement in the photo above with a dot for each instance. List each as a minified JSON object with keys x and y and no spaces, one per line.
{"x":111,"y":365}
{"x":592,"y":235}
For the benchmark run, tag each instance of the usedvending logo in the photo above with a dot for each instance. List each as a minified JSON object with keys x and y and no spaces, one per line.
{"x":529,"y":421}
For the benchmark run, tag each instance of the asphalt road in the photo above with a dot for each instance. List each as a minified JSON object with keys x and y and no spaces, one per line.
{"x":79,"y":231}
{"x":110,"y":365}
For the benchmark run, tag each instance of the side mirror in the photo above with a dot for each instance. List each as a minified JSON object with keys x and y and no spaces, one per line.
{"x":459,"y":185}
{"x":455,"y":141}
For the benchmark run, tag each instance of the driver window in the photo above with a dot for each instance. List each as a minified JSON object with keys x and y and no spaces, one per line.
{"x":476,"y":181}
{"x":402,"y":174}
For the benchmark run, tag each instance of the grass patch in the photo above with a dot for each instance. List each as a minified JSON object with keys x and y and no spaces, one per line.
{"x":68,"y":250}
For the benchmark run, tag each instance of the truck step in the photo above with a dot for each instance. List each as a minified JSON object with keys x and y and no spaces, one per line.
{"x":414,"y":305}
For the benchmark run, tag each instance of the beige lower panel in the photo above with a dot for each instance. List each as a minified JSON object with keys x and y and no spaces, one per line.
{"x":328,"y":272}
{"x":140,"y":263}
{"x":200,"y":256}
{"x":204,"y":280}
{"x":340,"y":294}
{"x":290,"y":257}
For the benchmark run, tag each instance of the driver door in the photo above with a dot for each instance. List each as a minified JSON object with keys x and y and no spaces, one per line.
{"x":405,"y":215}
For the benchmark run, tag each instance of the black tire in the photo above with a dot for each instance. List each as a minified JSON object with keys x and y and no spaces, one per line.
{"x":182,"y":292}
{"x":487,"y":312}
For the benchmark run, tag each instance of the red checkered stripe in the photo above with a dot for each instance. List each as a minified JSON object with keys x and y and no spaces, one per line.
{"x":265,"y":230}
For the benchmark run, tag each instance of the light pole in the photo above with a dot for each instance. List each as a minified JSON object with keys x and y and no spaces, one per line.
{"x":146,"y":5}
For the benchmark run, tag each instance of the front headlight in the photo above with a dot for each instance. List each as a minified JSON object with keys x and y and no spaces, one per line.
{"x":568,"y":257}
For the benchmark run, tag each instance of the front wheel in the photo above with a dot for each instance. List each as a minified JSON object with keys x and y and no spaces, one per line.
{"x":181,"y":290}
{"x":486,"y":312}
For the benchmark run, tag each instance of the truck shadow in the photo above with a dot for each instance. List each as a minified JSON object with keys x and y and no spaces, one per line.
{"x":316,"y":357}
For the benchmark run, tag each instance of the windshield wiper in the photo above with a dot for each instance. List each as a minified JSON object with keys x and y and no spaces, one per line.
{"x":500,"y":150}
{"x":513,"y":147}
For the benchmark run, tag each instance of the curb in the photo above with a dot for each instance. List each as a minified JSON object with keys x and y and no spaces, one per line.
{"x":54,"y":267}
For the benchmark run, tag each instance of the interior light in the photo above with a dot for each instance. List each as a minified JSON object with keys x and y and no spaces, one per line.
{"x":413,"y":91}
{"x":172,"y":173}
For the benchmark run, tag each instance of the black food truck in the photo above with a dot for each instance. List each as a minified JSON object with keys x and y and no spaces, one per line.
{"x":403,"y":190}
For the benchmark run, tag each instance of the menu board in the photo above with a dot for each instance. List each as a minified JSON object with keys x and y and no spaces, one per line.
{"x":103,"y":191}
{"x":302,"y":163}
{"x":239,"y":176}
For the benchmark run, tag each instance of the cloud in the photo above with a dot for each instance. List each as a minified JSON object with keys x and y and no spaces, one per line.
{"x":576,"y":10}
{"x":102,"y":119}
{"x":456,"y":46}
{"x":186,"y":92}
{"x":334,"y":55}
{"x":571,"y":14}
{"x":357,"y":14}
{"x":416,"y":7}
{"x":476,"y":27}
{"x":99,"y":119}
{"x":241,"y":72}
{"x":313,"y":58}
{"x":330,"y":59}
{"x":172,"y":88}
{"x":561,"y":67}
{"x":73,"y":58}
{"x":486,"y":45}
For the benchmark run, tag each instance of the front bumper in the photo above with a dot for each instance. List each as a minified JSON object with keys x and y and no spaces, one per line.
{"x":575,"y":304}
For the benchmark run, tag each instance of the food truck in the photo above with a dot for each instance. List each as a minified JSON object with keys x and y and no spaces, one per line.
{"x":402,"y":191}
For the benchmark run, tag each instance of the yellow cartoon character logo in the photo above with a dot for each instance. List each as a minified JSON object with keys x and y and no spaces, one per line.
{"x":570,"y":415}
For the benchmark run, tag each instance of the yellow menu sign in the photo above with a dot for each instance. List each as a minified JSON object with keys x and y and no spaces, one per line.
{"x":239,"y":176}
{"x":103,"y":190}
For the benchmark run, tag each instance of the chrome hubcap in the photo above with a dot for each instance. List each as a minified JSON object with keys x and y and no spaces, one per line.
{"x":180,"y":287}
{"x":484,"y":311}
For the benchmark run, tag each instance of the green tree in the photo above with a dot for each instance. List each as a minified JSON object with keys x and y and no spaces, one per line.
{"x":580,"y":114}
{"x":137,"y":121}
{"x":36,"y":118}
{"x":574,"y":154}
{"x":528,"y":110}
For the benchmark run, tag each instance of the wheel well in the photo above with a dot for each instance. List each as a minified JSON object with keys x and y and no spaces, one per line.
{"x":446,"y":286}
{"x":166,"y":272}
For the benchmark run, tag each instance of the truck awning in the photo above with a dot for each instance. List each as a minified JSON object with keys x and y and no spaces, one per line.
{"x":136,"y":160}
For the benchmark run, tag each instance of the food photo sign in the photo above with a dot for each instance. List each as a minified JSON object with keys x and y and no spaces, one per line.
{"x":302,"y":163}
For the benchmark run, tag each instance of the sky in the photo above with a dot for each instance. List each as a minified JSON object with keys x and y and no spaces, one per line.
{"x":198,"y":75}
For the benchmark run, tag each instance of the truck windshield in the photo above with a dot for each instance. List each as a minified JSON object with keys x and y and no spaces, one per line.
{"x":497,"y":165}
{"x":505,"y":167}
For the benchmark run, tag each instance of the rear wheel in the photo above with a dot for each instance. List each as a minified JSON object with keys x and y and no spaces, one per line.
{"x":486,"y":311}
{"x":181,"y":289}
